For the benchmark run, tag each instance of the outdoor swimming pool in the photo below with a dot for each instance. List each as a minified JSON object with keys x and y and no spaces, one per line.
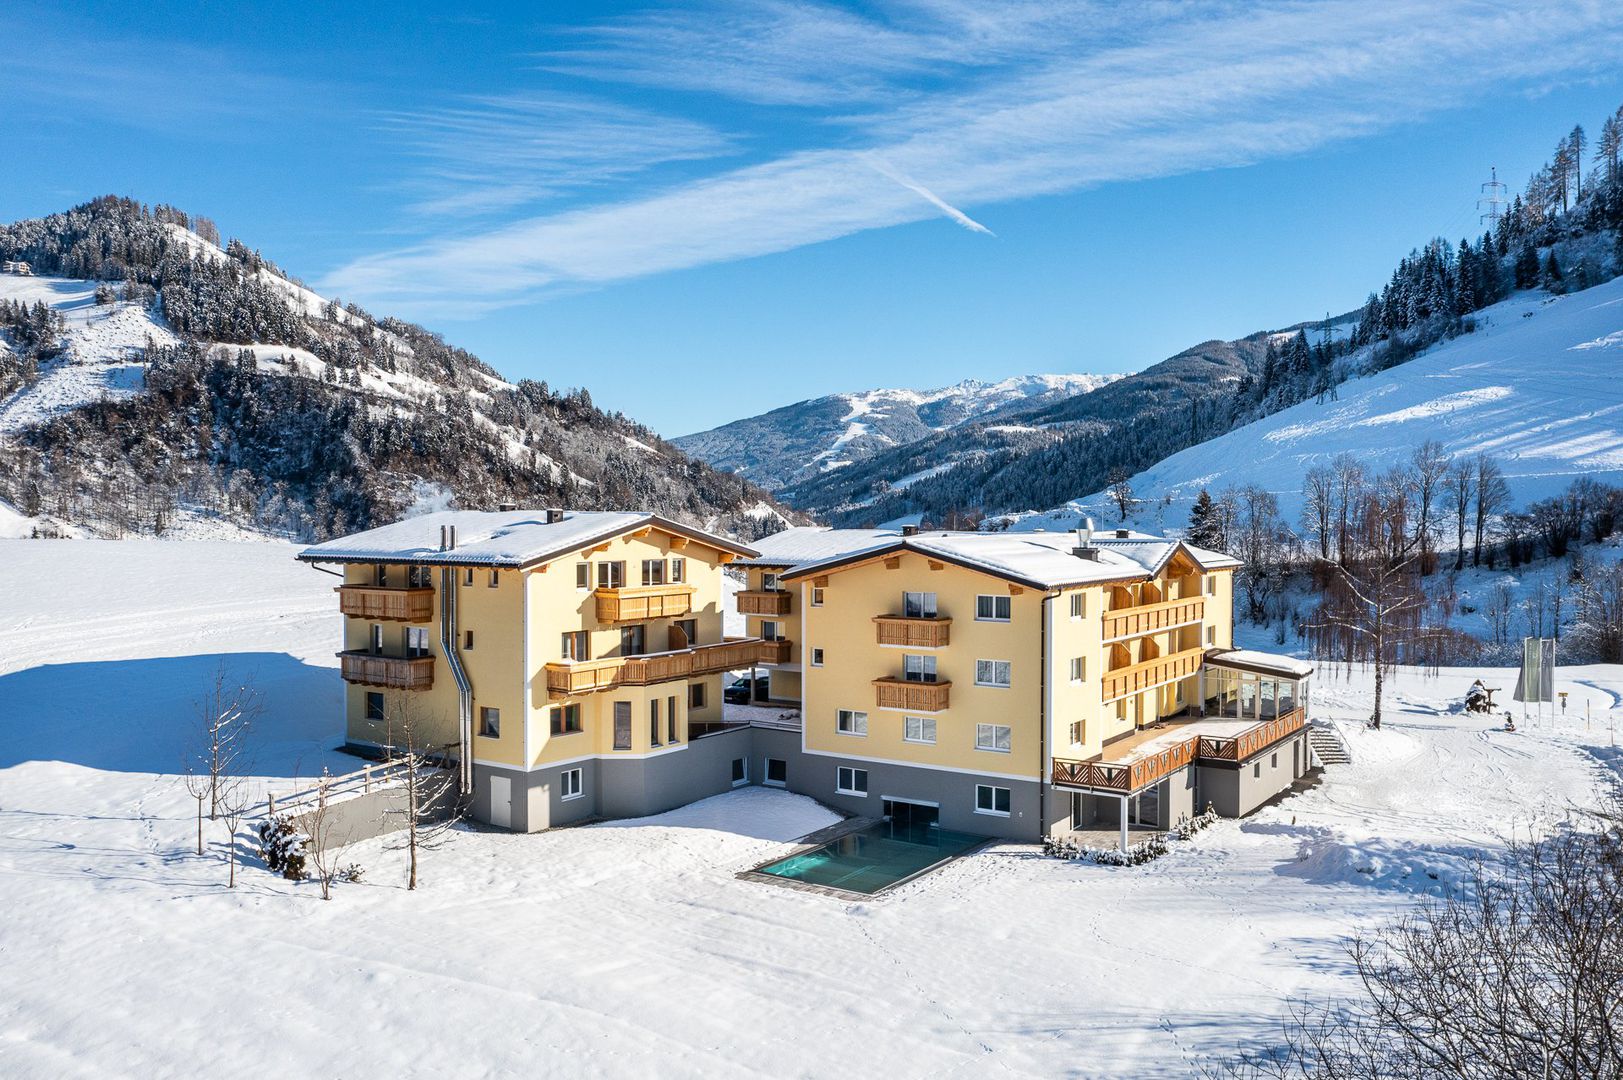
{"x":874,"y":858}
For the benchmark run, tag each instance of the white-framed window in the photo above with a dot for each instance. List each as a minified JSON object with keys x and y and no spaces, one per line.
{"x":572,"y":785}
{"x":1078,"y":669}
{"x":583,"y":575}
{"x":495,"y":578}
{"x":817,"y":597}
{"x":992,"y":673}
{"x":467,"y":576}
{"x":991,"y":800}
{"x":1211,"y":635}
{"x":679,"y":569}
{"x":997,"y":737}
{"x":849,"y":781}
{"x":817,"y":658}
{"x":850,"y":722}
{"x":490,"y":722}
{"x":919,"y":729}
{"x":769,"y":582}
{"x":653,"y":571}
{"x":770,"y":630}
{"x":918,"y":668}
{"x":416,"y":641}
{"x":918,"y":605}
{"x":989,"y":607}
{"x":1211,"y":584}
{"x":1079,"y":733}
{"x":777,"y":772}
{"x":611,"y":574}
{"x":1079,"y":605}
{"x":741,"y":771}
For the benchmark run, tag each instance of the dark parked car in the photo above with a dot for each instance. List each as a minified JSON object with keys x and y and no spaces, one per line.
{"x":737,"y":692}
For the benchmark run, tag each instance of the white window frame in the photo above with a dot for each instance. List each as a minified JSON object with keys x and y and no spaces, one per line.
{"x":769,"y":581}
{"x":1079,"y":733}
{"x":817,"y":657}
{"x":488,"y":730}
{"x":583,"y":576}
{"x":679,"y":570}
{"x":992,"y":673}
{"x":1211,"y":635}
{"x":611,"y":573}
{"x":857,"y":720}
{"x":771,"y":630}
{"x":1211,"y":584}
{"x":1079,"y":669}
{"x":816,"y":596}
{"x":926,"y":730}
{"x":925,"y":665}
{"x":850,"y":772}
{"x":653,"y":572}
{"x":927,"y":606}
{"x":992,"y":790}
{"x":574,"y":785}
{"x":740,"y":782}
{"x":1079,"y":605}
{"x":766,"y":772}
{"x":986,"y":738}
{"x":997,"y":600}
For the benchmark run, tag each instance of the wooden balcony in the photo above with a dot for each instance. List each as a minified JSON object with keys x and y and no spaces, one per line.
{"x":1138,"y":769}
{"x":1150,"y":673}
{"x":1126,"y":776}
{"x":1149,"y":618}
{"x":568,"y":677}
{"x":1258,"y":738}
{"x":916,"y":697}
{"x":758,"y":602}
{"x":774,"y":652}
{"x":379,"y":604}
{"x":393,"y":672}
{"x":635,"y":603}
{"x":912,"y":633}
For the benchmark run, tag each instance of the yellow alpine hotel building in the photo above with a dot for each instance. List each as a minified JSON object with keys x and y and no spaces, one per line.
{"x":1013,"y":685}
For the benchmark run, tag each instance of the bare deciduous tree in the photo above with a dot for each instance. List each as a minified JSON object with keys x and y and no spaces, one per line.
{"x":1430,"y":469}
{"x":199,"y":785}
{"x":235,"y":799}
{"x":1519,"y":975}
{"x":1460,"y":484}
{"x":225,"y":712}
{"x":329,"y":840}
{"x":429,"y":791}
{"x":1492,"y":498}
{"x":1121,"y":492}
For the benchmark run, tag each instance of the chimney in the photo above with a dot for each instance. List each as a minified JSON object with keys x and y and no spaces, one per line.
{"x":1084,"y":542}
{"x":910,"y":530}
{"x":507,"y":507}
{"x":1122,"y":534}
{"x":451,"y":542}
{"x":555,"y":514}
{"x":442,"y":537}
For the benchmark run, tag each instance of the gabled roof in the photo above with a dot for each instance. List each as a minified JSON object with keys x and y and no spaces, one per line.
{"x":1039,"y":560}
{"x":502,"y":538}
{"x":814,"y":543}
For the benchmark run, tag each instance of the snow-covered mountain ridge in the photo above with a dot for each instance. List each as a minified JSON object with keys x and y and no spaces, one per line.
{"x":819,"y":435}
{"x":1538,"y":386}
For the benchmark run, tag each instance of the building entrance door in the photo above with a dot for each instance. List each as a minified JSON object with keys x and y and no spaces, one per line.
{"x":915,"y":822}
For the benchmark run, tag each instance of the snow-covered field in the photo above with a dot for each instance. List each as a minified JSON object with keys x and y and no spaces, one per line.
{"x":1536,"y":387}
{"x":631,"y":948}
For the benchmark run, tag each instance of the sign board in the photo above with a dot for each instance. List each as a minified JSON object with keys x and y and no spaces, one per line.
{"x":1536,"y":682}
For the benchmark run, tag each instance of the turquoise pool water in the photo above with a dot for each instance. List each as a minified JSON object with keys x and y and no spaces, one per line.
{"x":873,"y":858}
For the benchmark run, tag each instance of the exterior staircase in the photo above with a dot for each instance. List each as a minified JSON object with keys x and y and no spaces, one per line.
{"x":1327,"y":745}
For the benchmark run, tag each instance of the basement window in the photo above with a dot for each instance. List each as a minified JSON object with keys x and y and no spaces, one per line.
{"x":572,"y":786}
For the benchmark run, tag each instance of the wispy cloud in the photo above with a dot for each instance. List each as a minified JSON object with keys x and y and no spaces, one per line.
{"x":1040,"y":104}
{"x":487,"y":154}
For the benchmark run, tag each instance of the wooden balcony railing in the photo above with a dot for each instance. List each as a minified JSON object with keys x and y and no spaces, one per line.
{"x":892,"y":693}
{"x":912,"y":633}
{"x":1148,"y":618}
{"x":1249,"y":742}
{"x":1150,"y":673}
{"x":1126,"y":776}
{"x":758,"y":602}
{"x":386,"y":605}
{"x":584,"y":676}
{"x":394,"y":672}
{"x":1130,"y":776}
{"x":635,"y":603}
{"x":775,"y":651}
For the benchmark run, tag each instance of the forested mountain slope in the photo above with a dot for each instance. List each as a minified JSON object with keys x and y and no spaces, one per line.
{"x":149,"y":376}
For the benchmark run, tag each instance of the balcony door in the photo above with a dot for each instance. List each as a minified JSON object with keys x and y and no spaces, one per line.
{"x":416,"y":641}
{"x":918,"y":605}
{"x":918,"y":668}
{"x":633,"y":640}
{"x":622,"y":725}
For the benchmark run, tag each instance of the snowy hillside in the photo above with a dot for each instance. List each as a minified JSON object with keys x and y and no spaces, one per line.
{"x":152,"y":381}
{"x":1539,"y":386}
{"x":632,"y":948}
{"x":820,"y":435}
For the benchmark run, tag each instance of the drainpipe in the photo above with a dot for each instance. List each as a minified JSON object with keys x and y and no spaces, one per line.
{"x":1044,"y":758}
{"x":453,"y":659}
{"x":1124,"y":799}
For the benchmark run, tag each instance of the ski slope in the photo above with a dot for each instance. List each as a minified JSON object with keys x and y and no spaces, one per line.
{"x":1539,"y":386}
{"x":631,"y":948}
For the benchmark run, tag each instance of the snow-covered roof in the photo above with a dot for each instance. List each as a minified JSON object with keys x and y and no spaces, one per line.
{"x":814,"y":543}
{"x":1267,"y":663}
{"x":505,"y":538}
{"x":1041,"y":560}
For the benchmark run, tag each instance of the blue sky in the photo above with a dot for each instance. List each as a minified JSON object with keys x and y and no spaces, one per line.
{"x":794,"y":199}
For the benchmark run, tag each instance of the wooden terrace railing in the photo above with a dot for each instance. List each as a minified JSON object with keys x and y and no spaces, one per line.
{"x":382,"y":604}
{"x":1147,"y":674}
{"x":1149,"y":618}
{"x":585,"y":676}
{"x":912,"y":633}
{"x":1127,"y":777}
{"x":393,"y":672}
{"x":764,"y":602}
{"x":635,"y":603}
{"x":1250,"y":741}
{"x":893,"y":693}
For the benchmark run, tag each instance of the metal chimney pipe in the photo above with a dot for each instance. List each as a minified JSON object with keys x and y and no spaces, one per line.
{"x":452,"y":545}
{"x":442,"y":537}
